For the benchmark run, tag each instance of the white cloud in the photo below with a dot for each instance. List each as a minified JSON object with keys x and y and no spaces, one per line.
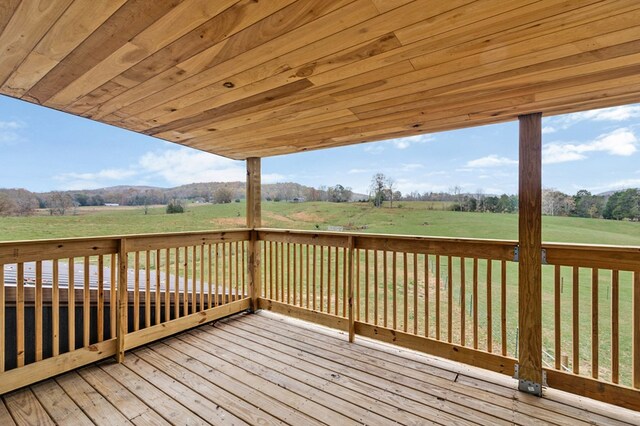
{"x":411,"y":166}
{"x":400,"y":143}
{"x":182,"y":166}
{"x":175,"y":166}
{"x":358,"y":171}
{"x":9,"y":131}
{"x":273,"y":178}
{"x":621,"y":142}
{"x":492,"y":160}
{"x":617,"y":114}
{"x":11,"y":125}
{"x":548,"y":129}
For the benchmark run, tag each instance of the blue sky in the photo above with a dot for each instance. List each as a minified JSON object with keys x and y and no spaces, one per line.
{"x":42,"y":149}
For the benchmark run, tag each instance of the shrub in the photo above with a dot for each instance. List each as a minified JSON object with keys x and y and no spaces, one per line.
{"x":175,"y":207}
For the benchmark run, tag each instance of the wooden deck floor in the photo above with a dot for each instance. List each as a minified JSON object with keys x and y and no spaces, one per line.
{"x":268,"y":369}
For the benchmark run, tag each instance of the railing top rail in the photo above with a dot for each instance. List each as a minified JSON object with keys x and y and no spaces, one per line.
{"x":345,"y":234}
{"x":34,"y":250}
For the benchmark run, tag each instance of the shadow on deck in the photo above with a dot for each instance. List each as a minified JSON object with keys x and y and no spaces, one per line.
{"x":271,"y":369}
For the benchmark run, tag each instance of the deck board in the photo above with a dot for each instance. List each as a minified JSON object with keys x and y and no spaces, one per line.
{"x":271,"y":369}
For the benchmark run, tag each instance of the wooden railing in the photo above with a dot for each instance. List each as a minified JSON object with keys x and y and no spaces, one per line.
{"x":458,"y":298}
{"x":70,"y":302}
{"x":66,"y":306}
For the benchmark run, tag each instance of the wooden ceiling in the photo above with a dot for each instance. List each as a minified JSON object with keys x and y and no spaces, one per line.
{"x":244,"y":78}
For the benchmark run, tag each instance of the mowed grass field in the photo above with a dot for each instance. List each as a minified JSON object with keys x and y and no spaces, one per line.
{"x":415,"y":218}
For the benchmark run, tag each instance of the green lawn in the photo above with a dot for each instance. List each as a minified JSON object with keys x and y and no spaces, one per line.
{"x":417,"y":218}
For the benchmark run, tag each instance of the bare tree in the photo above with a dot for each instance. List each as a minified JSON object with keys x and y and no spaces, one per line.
{"x":391,"y":186}
{"x":7,"y":205}
{"x":378,"y":189}
{"x":59,"y":203}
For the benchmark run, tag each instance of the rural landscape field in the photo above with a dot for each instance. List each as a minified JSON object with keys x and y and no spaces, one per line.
{"x":406,"y":217}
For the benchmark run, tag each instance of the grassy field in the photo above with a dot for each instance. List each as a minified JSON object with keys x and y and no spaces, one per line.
{"x":417,"y":218}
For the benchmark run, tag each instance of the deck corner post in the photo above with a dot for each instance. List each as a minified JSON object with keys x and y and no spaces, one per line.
{"x":530,"y":376}
{"x":123,"y":296}
{"x":254,"y":221}
{"x":350,"y":280}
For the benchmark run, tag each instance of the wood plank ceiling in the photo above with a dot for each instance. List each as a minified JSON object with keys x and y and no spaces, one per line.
{"x":244,"y":78}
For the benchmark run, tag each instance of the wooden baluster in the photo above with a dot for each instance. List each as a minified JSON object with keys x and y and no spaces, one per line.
{"x":345,"y":274}
{"x":209,"y":276}
{"x":176,"y":285}
{"x":273,"y":265}
{"x":336,"y":287}
{"x":366,"y":286}
{"x":394,"y":279}
{"x":376,"y":314}
{"x":449,"y":299}
{"x":595,"y":340}
{"x":635,"y":343}
{"x":38,"y":311}
{"x":216,"y":290}
{"x":237,"y":270}
{"x":321,"y":278}
{"x":295,"y":270}
{"x":357,"y":284}
{"x":489,"y":307}
{"x":225,"y":296}
{"x":475,"y":303}
{"x":348,"y":271}
{"x":243,"y":268}
{"x":185,"y":297}
{"x":113,"y":299}
{"x":557,"y":317}
{"x":415,"y":293}
{"x":2,"y":318}
{"x":503,"y":306}
{"x":55,"y":310}
{"x":167,"y":284}
{"x":280,"y":270}
{"x":405,"y":290}
{"x":300,"y":275}
{"x":20,"y":315}
{"x":202,"y":280}
{"x":123,"y":300}
{"x":576,"y":321}
{"x":157,"y":288}
{"x":288,"y":273}
{"x":86,"y":304}
{"x":437,"y":297}
{"x":147,"y":289}
{"x":307,"y":275}
{"x":385,"y":283}
{"x":194,"y":279}
{"x":426,"y":295}
{"x":136,"y":291}
{"x":71,"y":305}
{"x":463,"y":299}
{"x":100,"y":310}
{"x":329,"y":279}
{"x":314,"y":277}
{"x":615,"y":326}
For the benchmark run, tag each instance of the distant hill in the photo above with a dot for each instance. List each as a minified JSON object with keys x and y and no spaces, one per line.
{"x":195,"y":192}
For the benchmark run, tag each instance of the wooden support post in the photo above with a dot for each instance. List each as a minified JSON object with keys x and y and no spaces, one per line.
{"x":123,"y":299}
{"x":254,"y":220}
{"x":351,"y":317}
{"x":530,"y":255}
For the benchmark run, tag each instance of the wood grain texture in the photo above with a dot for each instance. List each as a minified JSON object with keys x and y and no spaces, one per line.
{"x":530,"y":243}
{"x":252,"y":79}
